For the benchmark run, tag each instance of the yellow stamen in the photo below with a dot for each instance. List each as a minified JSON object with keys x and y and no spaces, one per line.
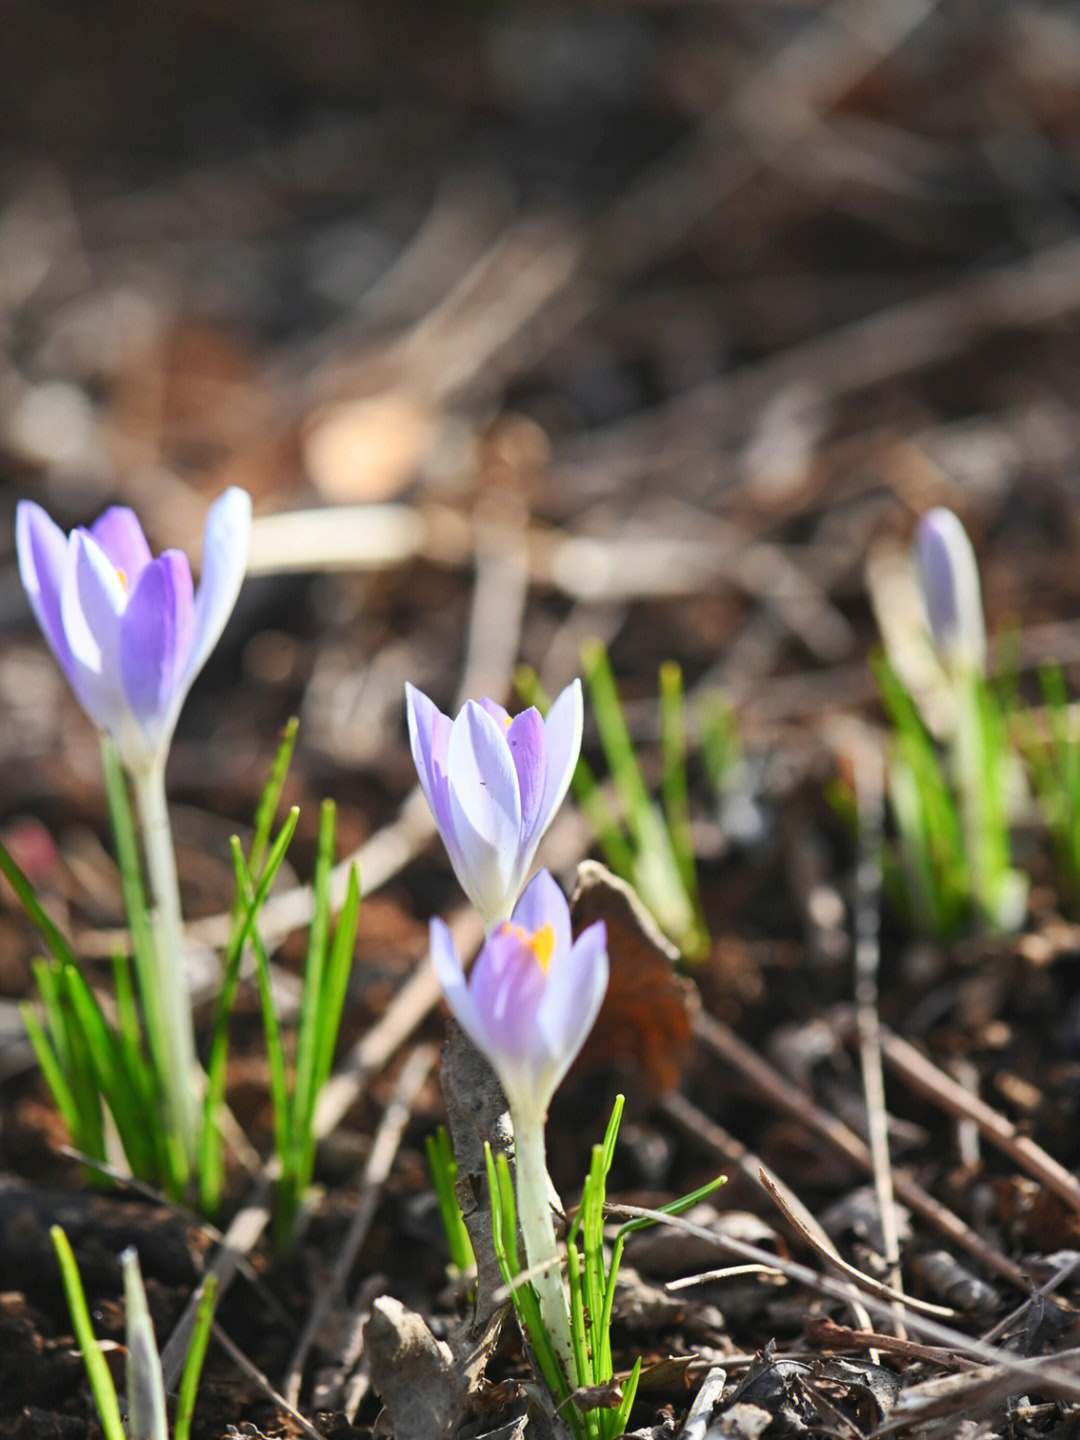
{"x":541,"y":942}
{"x":122,"y":574}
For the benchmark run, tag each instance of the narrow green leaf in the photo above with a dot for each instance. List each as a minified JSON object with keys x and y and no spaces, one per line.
{"x":55,"y":1077}
{"x":97,"y":1369}
{"x":211,"y":1162}
{"x":334,"y":989}
{"x":275,"y":1050}
{"x":615,"y":738}
{"x":621,"y":1417}
{"x":674,"y":788}
{"x":307,"y":1038}
{"x":271,"y":796}
{"x":193,"y":1363}
{"x":55,"y":942}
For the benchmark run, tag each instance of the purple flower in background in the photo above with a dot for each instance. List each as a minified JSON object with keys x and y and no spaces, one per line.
{"x":949,"y":576}
{"x":130,"y":632}
{"x":532,"y":996}
{"x":493,"y":784}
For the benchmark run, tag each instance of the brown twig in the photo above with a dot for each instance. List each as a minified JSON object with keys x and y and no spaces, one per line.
{"x":241,"y":1361}
{"x":826,"y":1334}
{"x":927,"y":1079}
{"x":725,"y":1043}
{"x":698,"y":1124}
{"x":1049,"y":1374}
{"x":856,"y":1276}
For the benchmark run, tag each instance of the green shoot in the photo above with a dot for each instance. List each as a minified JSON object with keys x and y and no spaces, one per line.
{"x":325,"y":983}
{"x":648,"y":844}
{"x":97,"y":1369}
{"x":145,"y":1386}
{"x":951,"y":807}
{"x":444,"y":1172}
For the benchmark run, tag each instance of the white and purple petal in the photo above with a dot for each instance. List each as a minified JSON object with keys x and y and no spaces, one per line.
{"x":121,"y":539}
{"x":156,"y":635}
{"x":562,"y":726}
{"x":126,"y":629}
{"x":949,"y":576}
{"x":92,"y":602}
{"x":224,"y":560}
{"x":543,"y":903}
{"x":577,"y":983}
{"x":43,"y":551}
{"x":486,"y":808}
{"x":527,"y":741}
{"x":429,"y":739}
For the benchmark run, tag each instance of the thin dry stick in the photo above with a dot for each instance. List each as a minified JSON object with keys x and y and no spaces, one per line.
{"x":725,"y":1043}
{"x":870,"y":802}
{"x":1060,"y":1275}
{"x":698,"y":1124}
{"x":856,"y":1276}
{"x":958,"y":1395}
{"x":826,"y":1334}
{"x":237,"y":1356}
{"x":240,"y":1239}
{"x":1049,"y":1375}
{"x":380,"y":1160}
{"x":925,"y":1077}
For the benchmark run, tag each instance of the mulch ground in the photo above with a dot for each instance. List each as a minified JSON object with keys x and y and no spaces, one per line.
{"x":653,"y":322}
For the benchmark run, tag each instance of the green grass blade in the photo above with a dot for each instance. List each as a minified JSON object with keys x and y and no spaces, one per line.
{"x":444,"y":1171}
{"x":307,"y":1039}
{"x":331,"y":998}
{"x":275,"y":1050}
{"x":211,"y":1164}
{"x":193,"y":1363}
{"x":97,"y":1369}
{"x":271,"y":796}
{"x":583,"y":1364}
{"x":125,"y":1096}
{"x":620,"y":1418}
{"x":73,"y":1054}
{"x":55,"y":1078}
{"x":674,"y":788}
{"x":55,"y":942}
{"x":615,"y":739}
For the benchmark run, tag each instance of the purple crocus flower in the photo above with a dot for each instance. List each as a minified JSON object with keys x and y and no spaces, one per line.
{"x":493,"y":784}
{"x":949,"y":576}
{"x":130,"y":632}
{"x":532,"y":996}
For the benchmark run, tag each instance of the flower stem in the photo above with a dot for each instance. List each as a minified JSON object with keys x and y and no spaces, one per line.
{"x":538,"y":1229}
{"x":174,"y":1045}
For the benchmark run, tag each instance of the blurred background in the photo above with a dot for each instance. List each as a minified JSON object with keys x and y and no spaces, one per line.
{"x":641,"y":320}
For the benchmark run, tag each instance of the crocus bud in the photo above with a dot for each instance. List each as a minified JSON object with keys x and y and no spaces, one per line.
{"x":130,"y":632}
{"x":532,"y":996}
{"x":949,"y":577}
{"x":494,"y":784}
